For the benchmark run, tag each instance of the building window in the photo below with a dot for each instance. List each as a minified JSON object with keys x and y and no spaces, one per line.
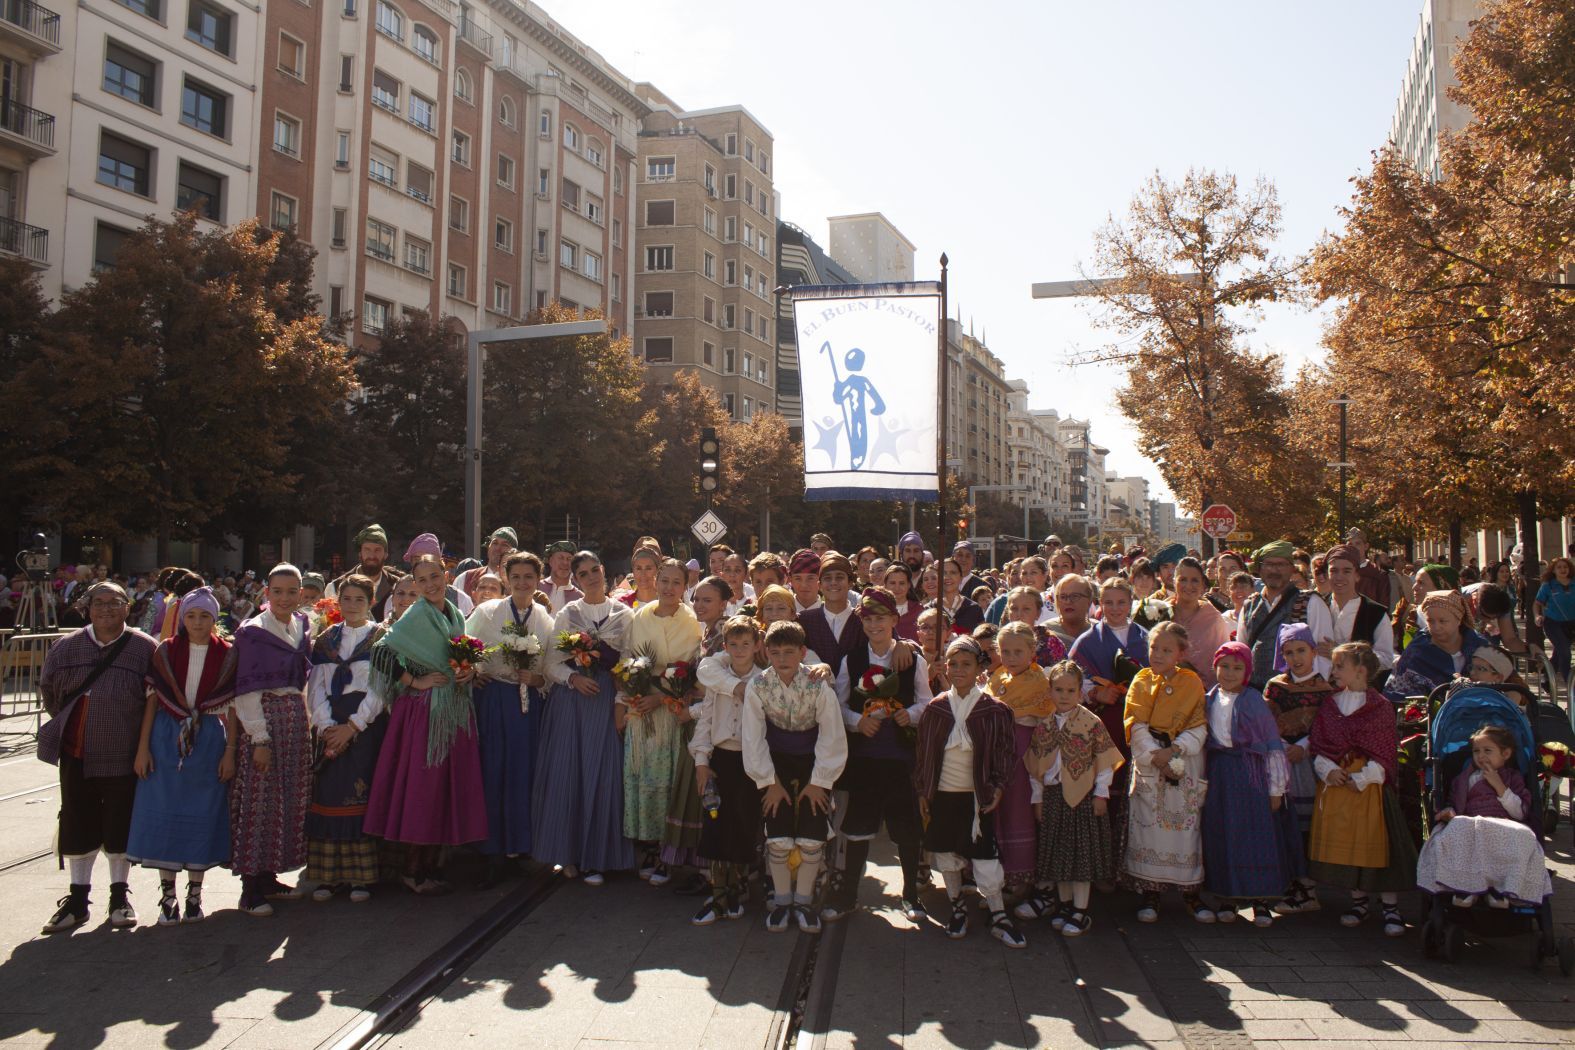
{"x":727,"y":366}
{"x":570,"y":193}
{"x":205,"y":109}
{"x":749,"y":363}
{"x":749,"y":326}
{"x":341,"y":149}
{"x":659,"y":349}
{"x":462,"y":148}
{"x":462,"y":86}
{"x":591,"y":266}
{"x":660,"y":169}
{"x":765,"y":163}
{"x":568,"y":255}
{"x":210,"y":26}
{"x":749,"y":192}
{"x":503,"y":235}
{"x":617,"y":291}
{"x":350,"y":8}
{"x":708,"y":354}
{"x":505,"y":171}
{"x":123,"y":164}
{"x":729,"y":315}
{"x":341,"y":229}
{"x":458,"y":214}
{"x":544,"y":124}
{"x":418,"y":255}
{"x":282,"y":211}
{"x":382,"y":168}
{"x":390,"y":22}
{"x":506,"y":111}
{"x":708,"y":310}
{"x":543,"y":181}
{"x":346,"y":73}
{"x":385,"y":91}
{"x":200,"y":191}
{"x":618,"y":182}
{"x":151,"y":8}
{"x":380,"y":239}
{"x":729,"y":271}
{"x":107,"y":243}
{"x":457,"y":280}
{"x":760,"y":288}
{"x":732,"y":144}
{"x":660,"y":213}
{"x":129,"y":75}
{"x":541,"y":242}
{"x":594,"y":154}
{"x":502,"y":295}
{"x":730,"y":187}
{"x":659,"y":258}
{"x":374,"y":315}
{"x":658,"y":304}
{"x":749,"y":407}
{"x":727,"y":403}
{"x":617,"y":233}
{"x":423,"y":113}
{"x":709,"y":267}
{"x":710,"y":180}
{"x":749,"y":277}
{"x":571,"y":138}
{"x":418,"y":182}
{"x":730,"y":228}
{"x":292,"y":56}
{"x":336,"y":300}
{"x":710,"y":222}
{"x":425,"y":43}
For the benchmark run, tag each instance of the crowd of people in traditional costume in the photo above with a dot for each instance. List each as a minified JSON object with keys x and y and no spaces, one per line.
{"x":1219,"y":730}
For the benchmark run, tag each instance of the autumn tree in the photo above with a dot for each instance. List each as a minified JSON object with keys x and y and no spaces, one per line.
{"x":565,"y":430}
{"x":170,"y":388}
{"x":1454,"y":314}
{"x":1188,"y":267}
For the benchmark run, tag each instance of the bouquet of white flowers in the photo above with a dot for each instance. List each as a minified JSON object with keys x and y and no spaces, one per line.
{"x":520,"y":647}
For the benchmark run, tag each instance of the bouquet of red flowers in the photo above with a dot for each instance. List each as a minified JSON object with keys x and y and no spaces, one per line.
{"x":325,"y":613}
{"x":1556,"y":758}
{"x":677,"y":682}
{"x":465,"y":652}
{"x":877,"y":692}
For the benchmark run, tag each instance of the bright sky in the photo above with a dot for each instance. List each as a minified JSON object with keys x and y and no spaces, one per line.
{"x":1005,"y":133}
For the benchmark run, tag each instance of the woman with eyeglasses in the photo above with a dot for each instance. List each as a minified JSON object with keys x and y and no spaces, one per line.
{"x":577,"y":799}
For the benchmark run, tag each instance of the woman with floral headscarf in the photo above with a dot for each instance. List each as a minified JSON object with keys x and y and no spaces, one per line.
{"x":1439,"y":653}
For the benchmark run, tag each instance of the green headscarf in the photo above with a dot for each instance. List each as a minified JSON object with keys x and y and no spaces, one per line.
{"x":1277,"y":549}
{"x":418,"y":643}
{"x":1443,"y":575}
{"x":371,"y":534}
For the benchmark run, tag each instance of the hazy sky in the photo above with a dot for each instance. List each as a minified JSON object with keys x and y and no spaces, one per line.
{"x":1005,"y":133}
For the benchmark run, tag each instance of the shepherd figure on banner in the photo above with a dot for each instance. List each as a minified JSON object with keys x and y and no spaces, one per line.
{"x":855,"y":394}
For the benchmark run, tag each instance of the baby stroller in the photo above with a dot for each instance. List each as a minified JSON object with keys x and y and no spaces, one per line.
{"x":1449,"y":749}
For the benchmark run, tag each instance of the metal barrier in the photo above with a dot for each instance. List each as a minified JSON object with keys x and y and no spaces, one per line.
{"x":21,"y":668}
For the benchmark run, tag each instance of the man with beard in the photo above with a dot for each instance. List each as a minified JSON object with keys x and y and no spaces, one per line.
{"x":372,"y":552}
{"x":910,"y":551}
{"x":503,"y":542}
{"x":1279,"y":603}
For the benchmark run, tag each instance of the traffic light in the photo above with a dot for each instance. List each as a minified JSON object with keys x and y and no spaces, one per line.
{"x":710,"y":460}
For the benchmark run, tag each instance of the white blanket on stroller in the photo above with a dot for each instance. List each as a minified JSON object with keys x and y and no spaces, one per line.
{"x":1475,"y":854}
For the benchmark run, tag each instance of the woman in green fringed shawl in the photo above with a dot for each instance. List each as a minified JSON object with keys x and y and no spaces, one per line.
{"x":427,"y":791}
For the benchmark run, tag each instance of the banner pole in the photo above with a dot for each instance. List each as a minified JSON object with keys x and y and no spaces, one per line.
{"x":943,"y":629}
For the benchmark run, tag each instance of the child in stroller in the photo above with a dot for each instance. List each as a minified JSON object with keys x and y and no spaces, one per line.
{"x":1486,"y":848}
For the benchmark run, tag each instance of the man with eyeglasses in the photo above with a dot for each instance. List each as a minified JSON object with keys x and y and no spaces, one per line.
{"x":93,"y":690}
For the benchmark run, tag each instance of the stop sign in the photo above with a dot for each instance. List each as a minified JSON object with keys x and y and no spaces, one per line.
{"x":1219,"y":520}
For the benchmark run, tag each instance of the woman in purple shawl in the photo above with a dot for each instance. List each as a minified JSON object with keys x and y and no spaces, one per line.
{"x":1251,"y":847}
{"x":273,"y":782}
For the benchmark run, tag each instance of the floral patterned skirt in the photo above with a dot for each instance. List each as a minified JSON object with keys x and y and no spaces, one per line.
{"x":1165,"y":828}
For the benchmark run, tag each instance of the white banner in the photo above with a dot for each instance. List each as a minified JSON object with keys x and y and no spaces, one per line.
{"x":867,"y":362}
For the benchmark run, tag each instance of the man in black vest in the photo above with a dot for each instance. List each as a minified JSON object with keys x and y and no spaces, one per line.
{"x":1278,"y":603}
{"x":1357,"y":617}
{"x":879,"y":774}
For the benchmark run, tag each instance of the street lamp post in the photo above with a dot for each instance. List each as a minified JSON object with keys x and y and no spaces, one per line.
{"x":476,"y":344}
{"x":1345,"y":402}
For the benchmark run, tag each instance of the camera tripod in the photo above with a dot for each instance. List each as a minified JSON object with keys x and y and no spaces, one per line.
{"x":35,"y":609}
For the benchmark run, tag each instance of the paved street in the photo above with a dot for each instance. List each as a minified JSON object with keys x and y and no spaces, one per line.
{"x":620,"y":966}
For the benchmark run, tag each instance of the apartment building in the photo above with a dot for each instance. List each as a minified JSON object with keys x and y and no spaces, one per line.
{"x":1424,"y":110}
{"x":474,"y":160}
{"x":871,"y":248}
{"x":978,"y":396}
{"x":1038,"y":459}
{"x":1127,"y":507}
{"x":150,"y":109}
{"x":1086,"y":472}
{"x":800,"y":261}
{"x":705,"y":236}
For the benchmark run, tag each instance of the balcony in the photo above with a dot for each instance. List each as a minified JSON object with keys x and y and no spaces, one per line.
{"x":474,"y":36}
{"x":29,"y":242}
{"x":36,"y":28}
{"x":29,"y":128}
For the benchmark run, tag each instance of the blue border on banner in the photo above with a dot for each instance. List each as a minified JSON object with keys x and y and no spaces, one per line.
{"x":861,"y":492}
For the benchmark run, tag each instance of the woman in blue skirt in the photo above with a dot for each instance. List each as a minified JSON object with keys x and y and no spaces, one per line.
{"x":180,"y":820}
{"x":577,"y":801}
{"x":1251,"y":846}
{"x":508,"y":709}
